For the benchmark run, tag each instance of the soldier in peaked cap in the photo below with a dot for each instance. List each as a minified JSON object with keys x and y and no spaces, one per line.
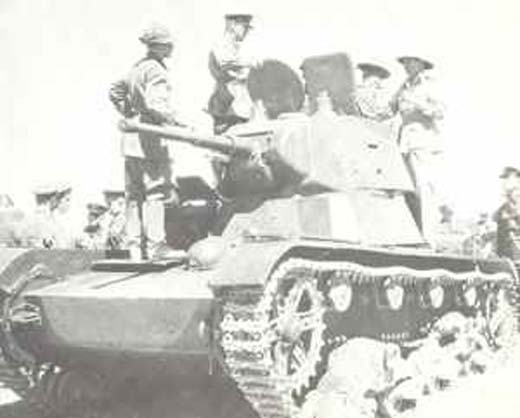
{"x":419,"y":139}
{"x":230,"y":102}
{"x":51,"y":224}
{"x":50,"y":198}
{"x":145,"y":93}
{"x":371,"y":100}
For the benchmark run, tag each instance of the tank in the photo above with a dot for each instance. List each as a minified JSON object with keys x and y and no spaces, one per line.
{"x":304,"y":258}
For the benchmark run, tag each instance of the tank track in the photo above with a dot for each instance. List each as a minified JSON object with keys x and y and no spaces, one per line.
{"x":250,"y":327}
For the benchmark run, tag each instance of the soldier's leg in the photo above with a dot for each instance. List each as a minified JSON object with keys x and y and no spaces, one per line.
{"x":134,"y":188}
{"x":424,"y":168}
{"x":160,"y":191}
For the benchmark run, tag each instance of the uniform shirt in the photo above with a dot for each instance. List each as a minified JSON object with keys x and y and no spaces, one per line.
{"x":416,"y":104}
{"x":146,"y":92}
{"x":226,"y":58}
{"x":229,"y":67}
{"x":420,"y":112}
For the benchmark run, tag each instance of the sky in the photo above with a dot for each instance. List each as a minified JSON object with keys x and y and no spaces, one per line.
{"x":59,"y":57}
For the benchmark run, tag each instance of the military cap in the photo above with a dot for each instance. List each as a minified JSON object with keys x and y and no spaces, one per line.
{"x":369,"y":69}
{"x":96,"y":209}
{"x":156,"y":34}
{"x":428,"y":65}
{"x":52,"y":189}
{"x":240,"y":18}
{"x":509,"y":170}
{"x":113,"y":193}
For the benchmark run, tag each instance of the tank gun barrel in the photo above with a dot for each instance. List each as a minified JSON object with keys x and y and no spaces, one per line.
{"x":222,"y":143}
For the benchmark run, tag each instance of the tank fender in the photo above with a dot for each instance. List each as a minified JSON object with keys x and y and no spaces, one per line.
{"x":252,"y":262}
{"x":15,"y":262}
{"x":249,"y":263}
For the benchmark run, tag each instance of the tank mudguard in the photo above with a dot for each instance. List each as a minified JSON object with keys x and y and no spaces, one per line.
{"x":251,"y":263}
{"x":16,"y":262}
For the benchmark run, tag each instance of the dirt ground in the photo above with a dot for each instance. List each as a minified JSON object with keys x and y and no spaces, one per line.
{"x":494,"y":394}
{"x":214,"y":398}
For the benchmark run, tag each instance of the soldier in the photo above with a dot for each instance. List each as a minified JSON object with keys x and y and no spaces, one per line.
{"x":419,"y":139}
{"x":51,"y":228}
{"x":370,"y":95}
{"x":145,"y":93}
{"x":230,"y":102}
{"x":507,"y":216}
{"x":115,"y":220}
{"x":94,"y":231}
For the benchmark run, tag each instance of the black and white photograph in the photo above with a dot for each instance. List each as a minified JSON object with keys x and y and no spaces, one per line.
{"x":259,"y":209}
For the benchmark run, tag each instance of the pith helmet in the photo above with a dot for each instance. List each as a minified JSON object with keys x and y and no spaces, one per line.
{"x":369,"y":69}
{"x":428,"y":65}
{"x":156,"y":34}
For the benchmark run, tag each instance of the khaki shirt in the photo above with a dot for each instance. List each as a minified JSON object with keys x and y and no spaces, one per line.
{"x":145,"y":92}
{"x":415,"y":102}
{"x":229,"y":67}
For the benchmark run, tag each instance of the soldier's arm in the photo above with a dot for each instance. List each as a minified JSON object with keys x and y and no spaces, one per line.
{"x":424,"y":99}
{"x":230,"y":64}
{"x":118,"y":95}
{"x":394,"y":101}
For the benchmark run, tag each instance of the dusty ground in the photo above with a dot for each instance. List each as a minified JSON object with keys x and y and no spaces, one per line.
{"x":495,"y":394}
{"x":211,"y":399}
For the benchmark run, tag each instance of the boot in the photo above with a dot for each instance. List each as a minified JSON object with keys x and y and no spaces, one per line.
{"x":162,"y":251}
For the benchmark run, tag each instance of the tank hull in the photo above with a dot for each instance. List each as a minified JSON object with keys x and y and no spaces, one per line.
{"x":169,"y":313}
{"x":159,"y":314}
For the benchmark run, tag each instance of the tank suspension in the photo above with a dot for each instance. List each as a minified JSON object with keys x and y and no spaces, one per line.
{"x":275,"y":341}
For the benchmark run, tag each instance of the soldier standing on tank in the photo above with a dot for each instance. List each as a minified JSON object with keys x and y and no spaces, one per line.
{"x":507,"y":216}
{"x":419,"y":139}
{"x":370,"y":98}
{"x":146,"y":93}
{"x":230,"y":102}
